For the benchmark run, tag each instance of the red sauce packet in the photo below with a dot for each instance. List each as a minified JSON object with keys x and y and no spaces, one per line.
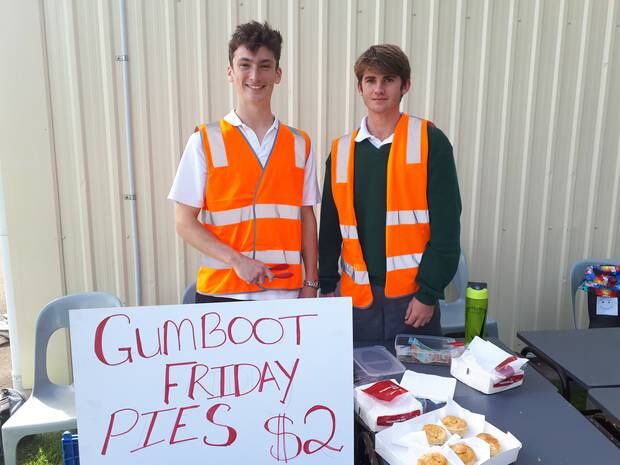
{"x":504,"y":369}
{"x":508,"y":381}
{"x":386,"y":390}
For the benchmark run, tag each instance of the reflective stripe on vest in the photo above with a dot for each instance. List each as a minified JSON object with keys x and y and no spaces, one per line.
{"x":342,"y":164}
{"x":216,"y":145}
{"x":358,"y":277}
{"x":402,"y":262}
{"x":407,"y":218}
{"x":413,"y":140}
{"x":238,"y":215}
{"x":348,"y":231}
{"x":300,"y":147}
{"x":254,"y":209}
{"x":289,"y":257}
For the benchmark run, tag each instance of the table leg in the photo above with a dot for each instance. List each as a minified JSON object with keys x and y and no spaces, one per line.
{"x":564,"y":385}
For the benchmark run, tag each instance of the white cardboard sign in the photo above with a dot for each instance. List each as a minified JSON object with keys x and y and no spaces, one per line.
{"x":231,"y":383}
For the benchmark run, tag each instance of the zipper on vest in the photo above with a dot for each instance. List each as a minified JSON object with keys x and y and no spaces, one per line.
{"x":263,"y":169}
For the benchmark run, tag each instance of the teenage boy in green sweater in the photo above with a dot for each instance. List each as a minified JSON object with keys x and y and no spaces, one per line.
{"x":390,"y":209}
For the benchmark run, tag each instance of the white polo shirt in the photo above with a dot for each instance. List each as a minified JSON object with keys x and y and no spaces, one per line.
{"x":190,"y":182}
{"x":364,"y":133}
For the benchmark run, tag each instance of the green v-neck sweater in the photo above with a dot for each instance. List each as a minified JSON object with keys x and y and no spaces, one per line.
{"x":441,"y":256}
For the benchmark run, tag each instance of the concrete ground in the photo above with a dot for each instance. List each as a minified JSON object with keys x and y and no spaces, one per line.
{"x":5,"y":347}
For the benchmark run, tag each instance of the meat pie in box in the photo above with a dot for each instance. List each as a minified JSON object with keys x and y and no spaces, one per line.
{"x":451,"y":435}
{"x":487,"y":368}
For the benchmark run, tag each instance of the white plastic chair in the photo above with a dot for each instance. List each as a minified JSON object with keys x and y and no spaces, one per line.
{"x":51,"y":407}
{"x":577,"y":272}
{"x":4,"y":327}
{"x":453,"y":313}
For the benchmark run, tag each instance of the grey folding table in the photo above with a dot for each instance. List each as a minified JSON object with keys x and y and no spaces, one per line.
{"x":590,"y":357}
{"x":551,"y":430}
{"x":608,"y":400}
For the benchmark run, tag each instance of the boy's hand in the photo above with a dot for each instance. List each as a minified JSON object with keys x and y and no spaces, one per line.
{"x":418,"y":314}
{"x":251,"y":271}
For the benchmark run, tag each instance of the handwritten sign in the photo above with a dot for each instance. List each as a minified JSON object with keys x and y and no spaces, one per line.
{"x":231,"y":383}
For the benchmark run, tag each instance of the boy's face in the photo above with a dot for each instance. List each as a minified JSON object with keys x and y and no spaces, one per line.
{"x":382,"y":92}
{"x":253,"y":74}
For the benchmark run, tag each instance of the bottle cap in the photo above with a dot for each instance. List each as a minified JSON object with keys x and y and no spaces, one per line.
{"x":477,"y":291}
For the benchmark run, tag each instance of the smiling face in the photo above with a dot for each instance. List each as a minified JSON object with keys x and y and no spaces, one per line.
{"x":382,"y":92}
{"x":254,"y":75}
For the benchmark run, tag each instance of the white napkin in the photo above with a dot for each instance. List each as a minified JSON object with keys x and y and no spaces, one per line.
{"x":436,"y":388}
{"x":488,"y":356}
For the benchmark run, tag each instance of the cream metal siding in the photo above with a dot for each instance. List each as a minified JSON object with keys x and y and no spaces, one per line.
{"x":528,"y":91}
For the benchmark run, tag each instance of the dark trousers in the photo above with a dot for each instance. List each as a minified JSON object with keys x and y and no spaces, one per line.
{"x":386,"y":318}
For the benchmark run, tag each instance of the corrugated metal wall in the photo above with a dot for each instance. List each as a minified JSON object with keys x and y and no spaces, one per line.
{"x":528,"y":91}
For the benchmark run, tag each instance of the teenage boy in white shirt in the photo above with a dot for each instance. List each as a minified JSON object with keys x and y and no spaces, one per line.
{"x":254,"y":178}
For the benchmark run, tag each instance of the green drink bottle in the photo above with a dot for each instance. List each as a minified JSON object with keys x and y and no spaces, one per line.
{"x":476,"y":303}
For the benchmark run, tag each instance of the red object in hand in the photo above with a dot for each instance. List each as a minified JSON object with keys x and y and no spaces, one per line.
{"x":386,"y":390}
{"x":281,"y":267}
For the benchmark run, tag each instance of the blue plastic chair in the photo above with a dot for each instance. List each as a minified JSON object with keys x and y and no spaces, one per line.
{"x":189,"y":294}
{"x":51,"y":407}
{"x":453,"y":313}
{"x":577,"y":272}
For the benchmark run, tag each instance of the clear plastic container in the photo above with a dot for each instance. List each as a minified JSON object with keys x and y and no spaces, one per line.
{"x":375,"y":362}
{"x":432,"y":350}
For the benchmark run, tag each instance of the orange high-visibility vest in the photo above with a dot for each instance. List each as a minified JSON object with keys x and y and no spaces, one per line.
{"x":255,"y":210}
{"x":407,"y":226}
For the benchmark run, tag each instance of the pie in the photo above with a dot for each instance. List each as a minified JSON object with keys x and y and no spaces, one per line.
{"x":491,"y":441}
{"x":434,"y":458}
{"x":455,"y":425}
{"x":435,"y":434}
{"x":465,"y":453}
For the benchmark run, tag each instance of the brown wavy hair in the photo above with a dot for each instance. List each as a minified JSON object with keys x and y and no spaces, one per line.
{"x":254,"y":35}
{"x":386,"y":59}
